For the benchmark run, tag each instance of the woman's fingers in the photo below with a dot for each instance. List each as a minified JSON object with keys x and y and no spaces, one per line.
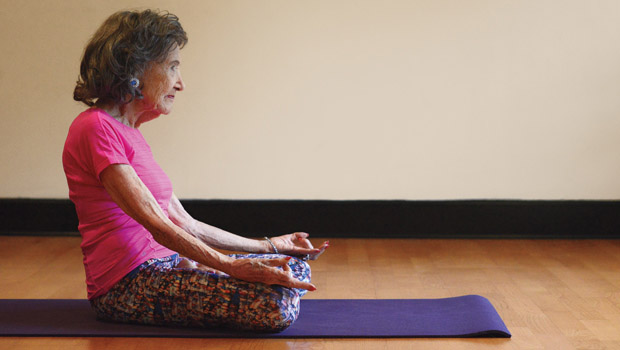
{"x":287,"y":268}
{"x":300,"y":239}
{"x":299,"y":235}
{"x":304,"y":251}
{"x":320,"y":251}
{"x":307,"y":248}
{"x":276,"y":262}
{"x":297,"y":244}
{"x":284,"y":277}
{"x":295,"y":283}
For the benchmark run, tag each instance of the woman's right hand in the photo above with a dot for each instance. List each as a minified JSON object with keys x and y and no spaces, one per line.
{"x":267,"y":271}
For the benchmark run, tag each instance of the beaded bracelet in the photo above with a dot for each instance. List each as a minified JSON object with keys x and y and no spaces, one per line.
{"x":272,"y":245}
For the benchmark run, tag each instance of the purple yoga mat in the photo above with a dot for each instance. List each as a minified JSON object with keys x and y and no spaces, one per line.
{"x":465,"y":316}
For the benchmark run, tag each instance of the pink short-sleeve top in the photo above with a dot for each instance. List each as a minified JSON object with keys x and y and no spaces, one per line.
{"x":113,"y":243}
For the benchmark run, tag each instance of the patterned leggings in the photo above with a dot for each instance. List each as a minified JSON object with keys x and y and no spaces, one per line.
{"x":160,"y":293}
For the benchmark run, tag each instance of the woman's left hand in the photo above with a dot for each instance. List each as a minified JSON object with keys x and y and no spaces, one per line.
{"x":298,"y":244}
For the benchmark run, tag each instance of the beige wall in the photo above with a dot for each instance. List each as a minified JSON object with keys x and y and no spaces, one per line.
{"x":335,"y":99}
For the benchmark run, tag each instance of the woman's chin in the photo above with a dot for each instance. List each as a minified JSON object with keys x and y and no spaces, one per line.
{"x":166,"y":109}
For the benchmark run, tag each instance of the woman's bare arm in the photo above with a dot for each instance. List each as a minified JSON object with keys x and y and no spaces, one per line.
{"x":293,"y":244}
{"x":212,"y":235}
{"x":135,"y":199}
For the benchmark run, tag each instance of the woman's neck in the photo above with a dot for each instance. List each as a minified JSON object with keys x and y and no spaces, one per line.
{"x":120,"y":113}
{"x":132,"y":114}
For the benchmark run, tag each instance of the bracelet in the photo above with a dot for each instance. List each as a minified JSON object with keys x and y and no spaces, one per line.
{"x":272,"y":245}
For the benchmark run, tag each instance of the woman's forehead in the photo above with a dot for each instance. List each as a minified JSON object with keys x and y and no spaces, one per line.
{"x":174,"y":54}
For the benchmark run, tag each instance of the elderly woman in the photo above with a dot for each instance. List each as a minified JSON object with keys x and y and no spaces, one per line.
{"x":146,"y":259}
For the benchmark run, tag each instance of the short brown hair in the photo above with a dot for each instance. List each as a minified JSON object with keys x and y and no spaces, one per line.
{"x":121,"y":49}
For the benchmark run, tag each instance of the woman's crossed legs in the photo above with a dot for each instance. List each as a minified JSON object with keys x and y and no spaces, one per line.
{"x":171,"y":291}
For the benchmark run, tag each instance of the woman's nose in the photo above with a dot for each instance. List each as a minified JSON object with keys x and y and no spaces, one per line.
{"x":180,"y":84}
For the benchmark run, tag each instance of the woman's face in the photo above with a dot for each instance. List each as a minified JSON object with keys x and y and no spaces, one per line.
{"x":161,"y":81}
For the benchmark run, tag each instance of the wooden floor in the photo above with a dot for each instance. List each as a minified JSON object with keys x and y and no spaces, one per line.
{"x":556,"y":294}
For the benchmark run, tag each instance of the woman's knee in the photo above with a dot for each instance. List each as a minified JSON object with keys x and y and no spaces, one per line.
{"x":279,"y":310}
{"x":280,"y":319}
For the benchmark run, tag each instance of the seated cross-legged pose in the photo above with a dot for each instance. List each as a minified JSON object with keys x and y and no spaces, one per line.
{"x":146,"y":259}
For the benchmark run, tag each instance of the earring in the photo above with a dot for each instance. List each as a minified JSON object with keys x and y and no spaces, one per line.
{"x":134,"y":82}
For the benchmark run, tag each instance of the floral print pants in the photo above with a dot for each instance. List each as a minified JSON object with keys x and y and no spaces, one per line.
{"x":160,"y":293}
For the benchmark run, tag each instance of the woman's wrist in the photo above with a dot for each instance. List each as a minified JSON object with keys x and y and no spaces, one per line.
{"x":271,"y":248}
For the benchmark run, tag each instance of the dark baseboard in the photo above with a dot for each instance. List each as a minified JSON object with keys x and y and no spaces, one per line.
{"x":357,"y":219}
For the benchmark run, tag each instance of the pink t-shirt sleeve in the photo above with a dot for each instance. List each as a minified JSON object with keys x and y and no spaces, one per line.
{"x":102,"y":146}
